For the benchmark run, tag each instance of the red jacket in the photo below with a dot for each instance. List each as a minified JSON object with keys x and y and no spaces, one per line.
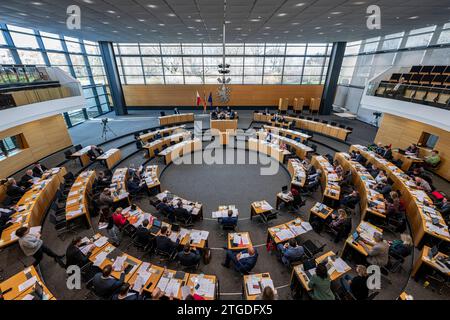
{"x":119,"y":219}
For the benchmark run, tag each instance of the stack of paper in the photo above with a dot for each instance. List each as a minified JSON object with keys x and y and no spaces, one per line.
{"x":118,"y":263}
{"x":285,"y":234}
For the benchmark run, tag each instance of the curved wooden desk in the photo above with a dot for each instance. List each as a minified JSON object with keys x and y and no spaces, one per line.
{"x":77,"y":203}
{"x":176,"y":118}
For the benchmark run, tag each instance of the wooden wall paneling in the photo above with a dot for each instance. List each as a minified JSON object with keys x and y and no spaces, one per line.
{"x":241,"y":95}
{"x":402,"y":132}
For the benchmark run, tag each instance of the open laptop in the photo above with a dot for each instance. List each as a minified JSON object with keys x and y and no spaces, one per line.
{"x":156,"y":226}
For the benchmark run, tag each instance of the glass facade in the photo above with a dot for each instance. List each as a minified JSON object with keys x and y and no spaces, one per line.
{"x":366,"y":59}
{"x":79,"y":58}
{"x":197,"y":63}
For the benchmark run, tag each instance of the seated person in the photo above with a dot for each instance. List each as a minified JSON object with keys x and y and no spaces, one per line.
{"x":353,"y":155}
{"x":393,"y":204}
{"x":402,"y":247}
{"x":13,"y":190}
{"x":175,"y":111}
{"x":27,"y":180}
{"x":359,"y":158}
{"x":381,"y":177}
{"x":383,"y":188}
{"x":379,"y":253}
{"x":158,"y":135}
{"x":380,"y":149}
{"x":5,"y":218}
{"x":105,"y":198}
{"x":181,"y":212}
{"x":94,"y":152}
{"x":230,"y":220}
{"x":163,"y":242}
{"x":412,"y":150}
{"x":104,"y":284}
{"x":307,"y":165}
{"x":232,"y":115}
{"x":125,"y":294}
{"x":74,"y":256}
{"x":102,"y":180}
{"x":444,"y":206}
{"x":214,"y":115}
{"x":290,"y":251}
{"x":189,"y":256}
{"x":298,"y":201}
{"x":113,"y":232}
{"x":166,"y":209}
{"x":350,"y":200}
{"x":422,"y":184}
{"x":134,"y":187}
{"x":313,"y":176}
{"x":243,"y":261}
{"x":311,"y":185}
{"x":105,"y":214}
{"x":433,"y":160}
{"x":38,"y":170}
{"x":374,"y":171}
{"x":338,"y":220}
{"x":267,"y":294}
{"x":347,"y":179}
{"x":119,"y":219}
{"x":357,"y":285}
{"x":387,"y":153}
{"x":320,"y":284}
{"x":143,"y":234}
{"x":269,"y":136}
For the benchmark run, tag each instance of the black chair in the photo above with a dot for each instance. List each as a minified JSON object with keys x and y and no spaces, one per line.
{"x":69,"y":178}
{"x":229,"y":227}
{"x":68,"y":156}
{"x":269,"y":215}
{"x":162,"y":113}
{"x":78,"y":147}
{"x":184,"y":220}
{"x":314,"y":147}
{"x":349,"y":129}
{"x":342,"y":126}
{"x":145,"y":131}
{"x":136,"y":136}
{"x":60,"y":226}
{"x":333,"y":123}
{"x":311,"y":248}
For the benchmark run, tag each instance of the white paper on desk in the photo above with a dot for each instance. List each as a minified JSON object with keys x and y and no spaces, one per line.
{"x":173,"y":236}
{"x":101,"y":242}
{"x":297,"y":230}
{"x":102,"y":225}
{"x":306,"y":225}
{"x":28,"y":297}
{"x":195,"y":211}
{"x":162,"y":284}
{"x":253,"y":290}
{"x":123,"y":195}
{"x":85,"y":249}
{"x":74,"y":213}
{"x":77,"y":184}
{"x":118,"y":263}
{"x":206,"y":287}
{"x":237,"y":239}
{"x":141,"y":280}
{"x":285,"y":234}
{"x":266,"y":282}
{"x":72,"y":201}
{"x":100,"y":258}
{"x":185,"y":291}
{"x":173,"y":287}
{"x":245,"y":240}
{"x":340,"y":265}
{"x":73,"y":193}
{"x":266,"y":207}
{"x":25,"y":285}
{"x":35,"y":230}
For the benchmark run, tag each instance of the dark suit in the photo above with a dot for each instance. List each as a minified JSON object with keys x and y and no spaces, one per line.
{"x":229,"y":221}
{"x":131,"y":297}
{"x":164,"y":244}
{"x":182,"y":213}
{"x":15,"y":191}
{"x":39,"y":172}
{"x":106,"y":287}
{"x":25,"y":181}
{"x":244,"y":265}
{"x":143,"y":235}
{"x":74,"y":256}
{"x":188,"y":259}
{"x":166,"y":210}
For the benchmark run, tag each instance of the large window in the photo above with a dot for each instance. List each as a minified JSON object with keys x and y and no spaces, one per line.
{"x":253,"y":63}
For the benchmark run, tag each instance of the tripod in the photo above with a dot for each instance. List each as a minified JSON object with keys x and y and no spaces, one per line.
{"x":105,"y":129}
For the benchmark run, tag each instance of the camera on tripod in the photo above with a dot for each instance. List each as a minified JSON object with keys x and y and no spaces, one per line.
{"x":105,"y":121}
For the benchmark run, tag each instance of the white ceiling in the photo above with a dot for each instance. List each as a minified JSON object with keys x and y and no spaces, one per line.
{"x":201,"y":20}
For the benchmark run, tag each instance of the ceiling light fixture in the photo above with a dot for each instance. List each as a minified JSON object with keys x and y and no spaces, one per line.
{"x":198,"y":20}
{"x":161,"y":24}
{"x":338,"y":24}
{"x":88,"y":1}
{"x":37,"y":3}
{"x":141,"y":20}
{"x":255,"y":20}
{"x":335,"y":12}
{"x":413,"y":17}
{"x":152,"y":6}
{"x":300,"y":4}
{"x":281,"y":14}
{"x":171,"y":14}
{"x":111,"y":11}
{"x":295,"y":23}
{"x":317,"y":28}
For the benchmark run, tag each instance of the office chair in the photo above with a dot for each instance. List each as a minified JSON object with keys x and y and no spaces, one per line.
{"x":68,"y":156}
{"x":311,"y":248}
{"x":61,"y":227}
{"x":333,"y":123}
{"x":270,"y":215}
{"x":145,"y":131}
{"x":60,"y":213}
{"x":136,"y":136}
{"x":162,"y":113}
{"x":78,"y":147}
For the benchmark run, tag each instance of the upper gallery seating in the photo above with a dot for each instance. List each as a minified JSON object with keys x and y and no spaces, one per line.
{"x":428,"y":85}
{"x":22,"y":85}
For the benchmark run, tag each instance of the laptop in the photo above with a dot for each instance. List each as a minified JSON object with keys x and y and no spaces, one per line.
{"x":156,"y":226}
{"x":433,"y":251}
{"x":284,"y":189}
{"x":355,"y":236}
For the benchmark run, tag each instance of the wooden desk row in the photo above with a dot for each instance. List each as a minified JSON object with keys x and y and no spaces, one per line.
{"x":224,"y":125}
{"x":270,"y":149}
{"x":196,"y":208}
{"x":163,"y":133}
{"x":25,"y":97}
{"x":286,"y":231}
{"x":407,"y":160}
{"x":419,"y":207}
{"x":365,"y":231}
{"x":151,"y":177}
{"x":22,"y":286}
{"x":364,"y":184}
{"x":82,"y":155}
{"x":77,"y":203}
{"x":176,"y":118}
{"x":34,"y":204}
{"x":291,"y":134}
{"x":111,"y":157}
{"x":118,"y":186}
{"x":147,"y":277}
{"x":329,"y":179}
{"x":297,"y":172}
{"x":301,"y":150}
{"x":185,"y":147}
{"x":319,"y":127}
{"x":165,"y":142}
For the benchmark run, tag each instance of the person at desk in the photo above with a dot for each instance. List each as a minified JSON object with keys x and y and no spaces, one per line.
{"x":379,"y":149}
{"x":134,"y":186}
{"x":383,"y":188}
{"x":381,"y":177}
{"x":338,"y":220}
{"x":350,"y":200}
{"x":357,"y":285}
{"x":125,"y":294}
{"x":290,"y":252}
{"x":232,"y":115}
{"x":422,"y":184}
{"x":164,"y":243}
{"x":229,"y":220}
{"x":189,"y":256}
{"x":143,"y":234}
{"x":387,"y":154}
{"x":359,"y":157}
{"x":412,"y":150}
{"x":5,"y":218}
{"x":13,"y":190}
{"x":105,"y":198}
{"x":444,"y":206}
{"x":27,"y":179}
{"x":374,"y":171}
{"x":74,"y":256}
{"x":119,"y":219}
{"x":104,"y":284}
{"x":243,"y":261}
{"x":379,"y":253}
{"x":166,"y":209}
{"x":214,"y":115}
{"x":32,"y":245}
{"x":175,"y":111}
{"x":182,"y":213}
{"x":269,"y":137}
{"x":320,"y":284}
{"x":94,"y":152}
{"x":38,"y":169}
{"x":102,"y":180}
{"x":307,"y":166}
{"x":393,"y":204}
{"x":267,"y":294}
{"x":113,"y":232}
{"x":402,"y":247}
{"x":433,"y":160}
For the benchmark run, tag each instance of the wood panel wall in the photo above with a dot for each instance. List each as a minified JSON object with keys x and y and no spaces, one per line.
{"x":241,"y":95}
{"x":42,"y":138}
{"x":402,"y":132}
